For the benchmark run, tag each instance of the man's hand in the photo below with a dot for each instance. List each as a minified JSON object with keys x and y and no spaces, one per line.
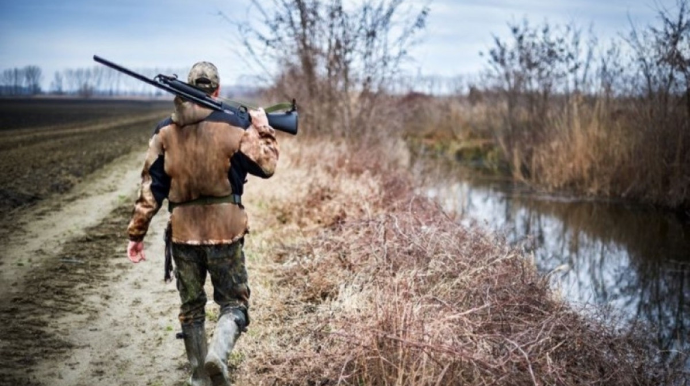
{"x":135,"y":251}
{"x":260,"y":131}
{"x":259,"y":118}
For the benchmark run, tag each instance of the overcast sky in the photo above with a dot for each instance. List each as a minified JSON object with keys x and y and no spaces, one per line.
{"x":59,"y":34}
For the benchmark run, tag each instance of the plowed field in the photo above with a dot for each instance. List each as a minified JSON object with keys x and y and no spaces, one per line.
{"x":74,"y":311}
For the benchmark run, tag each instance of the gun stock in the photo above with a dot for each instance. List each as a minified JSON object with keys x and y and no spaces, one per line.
{"x":285,"y":122}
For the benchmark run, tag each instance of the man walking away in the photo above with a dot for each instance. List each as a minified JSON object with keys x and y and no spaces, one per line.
{"x":199,"y":159}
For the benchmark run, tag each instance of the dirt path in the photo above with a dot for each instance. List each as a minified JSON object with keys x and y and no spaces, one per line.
{"x":76,"y":312}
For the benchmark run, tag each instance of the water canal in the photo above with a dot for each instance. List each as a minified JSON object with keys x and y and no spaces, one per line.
{"x":630,"y":259}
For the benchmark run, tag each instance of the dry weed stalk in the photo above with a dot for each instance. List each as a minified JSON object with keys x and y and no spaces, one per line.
{"x":398,"y":293}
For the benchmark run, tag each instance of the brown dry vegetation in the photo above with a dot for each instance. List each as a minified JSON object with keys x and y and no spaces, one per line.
{"x":563,"y":112}
{"x":591,"y":147}
{"x":364,"y":282}
{"x":368,"y":283}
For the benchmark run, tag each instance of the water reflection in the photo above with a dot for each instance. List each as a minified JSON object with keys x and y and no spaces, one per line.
{"x":634,"y":260}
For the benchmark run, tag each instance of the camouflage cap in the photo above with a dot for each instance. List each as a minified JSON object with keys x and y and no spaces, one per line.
{"x":204,"y":75}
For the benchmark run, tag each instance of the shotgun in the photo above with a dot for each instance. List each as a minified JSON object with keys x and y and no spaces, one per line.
{"x":285,"y":121}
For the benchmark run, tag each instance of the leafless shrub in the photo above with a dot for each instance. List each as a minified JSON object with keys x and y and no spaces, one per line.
{"x":570,"y":114}
{"x":661,"y":71}
{"x":533,"y":70}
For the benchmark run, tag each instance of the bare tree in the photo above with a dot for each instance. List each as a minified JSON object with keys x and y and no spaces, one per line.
{"x":6,"y":81}
{"x":84,"y":82}
{"x":611,"y":71}
{"x":18,"y":81}
{"x":672,"y":39}
{"x":71,"y":82}
{"x":98,"y":77}
{"x":662,"y":59}
{"x":32,"y":76}
{"x":56,"y":85}
{"x":336,"y":58}
{"x":536,"y":72}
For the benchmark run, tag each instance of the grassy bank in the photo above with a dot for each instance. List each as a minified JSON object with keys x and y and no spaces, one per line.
{"x":594,"y":147}
{"x":356,"y":280}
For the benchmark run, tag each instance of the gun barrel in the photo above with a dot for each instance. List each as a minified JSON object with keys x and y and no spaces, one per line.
{"x":125,"y":70}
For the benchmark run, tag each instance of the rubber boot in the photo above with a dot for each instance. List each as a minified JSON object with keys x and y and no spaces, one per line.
{"x":195,"y":345}
{"x":227,"y":331}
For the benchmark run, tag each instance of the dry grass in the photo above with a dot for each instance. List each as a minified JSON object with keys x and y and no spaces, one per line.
{"x":585,"y":146}
{"x":587,"y":153}
{"x":612,"y":149}
{"x":365,"y":283}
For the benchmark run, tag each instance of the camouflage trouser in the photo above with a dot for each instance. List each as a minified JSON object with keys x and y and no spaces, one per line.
{"x":225,"y":263}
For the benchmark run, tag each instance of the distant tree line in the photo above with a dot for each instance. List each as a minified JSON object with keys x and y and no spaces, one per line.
{"x":82,"y":82}
{"x":101,"y":81}
{"x":21,"y":81}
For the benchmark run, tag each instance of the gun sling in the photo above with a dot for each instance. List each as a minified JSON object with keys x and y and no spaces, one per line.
{"x":270,"y":109}
{"x":231,"y":198}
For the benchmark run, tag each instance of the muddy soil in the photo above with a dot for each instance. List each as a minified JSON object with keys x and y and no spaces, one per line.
{"x":62,"y":146}
{"x":33,"y":113}
{"x":75,"y":311}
